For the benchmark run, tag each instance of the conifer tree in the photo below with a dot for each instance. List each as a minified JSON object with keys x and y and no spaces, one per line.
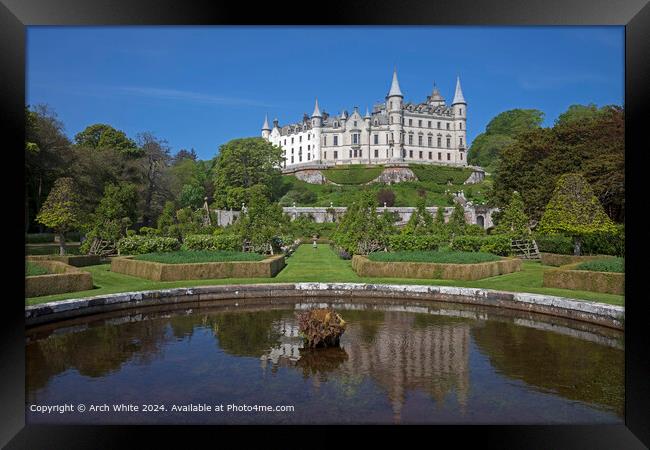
{"x":61,"y":210}
{"x":514,"y":220}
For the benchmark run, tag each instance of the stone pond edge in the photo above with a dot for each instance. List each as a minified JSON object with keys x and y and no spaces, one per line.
{"x":598,"y":313}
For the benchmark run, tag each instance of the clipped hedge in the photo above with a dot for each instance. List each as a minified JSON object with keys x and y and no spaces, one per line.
{"x":568,"y":277}
{"x":553,"y":259}
{"x":364,"y":267}
{"x":401,"y":242}
{"x":61,"y":278}
{"x":138,"y":245}
{"x":39,"y":238}
{"x":441,"y":174}
{"x":267,"y":268}
{"x":217,"y":242}
{"x":595,"y":244}
{"x":495,"y":244}
{"x":72,"y":260}
{"x":352,"y":174}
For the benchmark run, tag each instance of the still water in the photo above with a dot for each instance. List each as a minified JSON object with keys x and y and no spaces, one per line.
{"x":405,"y":362}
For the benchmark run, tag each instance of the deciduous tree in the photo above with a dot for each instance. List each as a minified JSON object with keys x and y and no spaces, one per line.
{"x":61,"y":209}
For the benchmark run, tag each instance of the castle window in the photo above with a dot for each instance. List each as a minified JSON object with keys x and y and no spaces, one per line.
{"x":387,"y":138}
{"x":410,"y":153}
{"x":300,"y":157}
{"x":309,"y":137}
{"x":439,"y":142}
{"x":461,"y":156}
{"x":419,"y":123}
{"x":447,"y":125}
{"x":391,"y":105}
{"x":410,"y":139}
{"x":350,"y":153}
{"x":391,"y":120}
{"x":460,"y":126}
{"x":308,"y":156}
{"x":430,"y":141}
{"x":291,"y":159}
{"x":439,"y":156}
{"x":429,"y":124}
{"x":461,"y":141}
{"x":420,"y":140}
{"x":420,"y":155}
{"x":336,"y":154}
{"x":360,"y":153}
{"x":324,"y":155}
{"x":299,"y":138}
{"x":336,"y":140}
{"x":285,"y":142}
{"x":324,"y":141}
{"x":448,"y":142}
{"x":292,"y":140}
{"x":355,"y":124}
{"x":376,"y":139}
{"x":438,"y":125}
{"x":448,"y":156}
{"x":461,"y":111}
{"x":356,"y":138}
{"x":376,"y":123}
{"x":376,"y":153}
{"x":430,"y":155}
{"x":355,"y":152}
{"x":410,"y":122}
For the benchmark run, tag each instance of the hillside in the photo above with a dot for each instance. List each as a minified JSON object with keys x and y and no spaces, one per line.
{"x":434,"y":181}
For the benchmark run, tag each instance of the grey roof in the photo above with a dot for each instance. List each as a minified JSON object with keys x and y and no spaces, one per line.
{"x":458,"y":95}
{"x":316,"y":112}
{"x":394,"y":86}
{"x":266,"y":123}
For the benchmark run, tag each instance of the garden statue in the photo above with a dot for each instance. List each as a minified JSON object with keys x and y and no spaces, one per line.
{"x":321,"y":327}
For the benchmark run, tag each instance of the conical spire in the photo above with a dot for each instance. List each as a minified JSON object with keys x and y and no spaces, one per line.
{"x":458,"y":96}
{"x":266,"y":123}
{"x":394,"y":86}
{"x":316,"y":112}
{"x":367,"y":114}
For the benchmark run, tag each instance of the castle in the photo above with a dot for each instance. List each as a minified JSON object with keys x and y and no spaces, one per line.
{"x":395,"y":132}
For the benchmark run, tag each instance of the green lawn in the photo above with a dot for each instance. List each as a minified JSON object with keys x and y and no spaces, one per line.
{"x":603,"y":265}
{"x":198,"y":256}
{"x":32,"y":269}
{"x":322,"y":265}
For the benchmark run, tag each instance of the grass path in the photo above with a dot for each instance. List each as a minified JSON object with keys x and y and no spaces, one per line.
{"x":322,"y":265}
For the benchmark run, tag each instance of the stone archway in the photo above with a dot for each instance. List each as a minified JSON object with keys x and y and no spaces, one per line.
{"x":480,"y":221}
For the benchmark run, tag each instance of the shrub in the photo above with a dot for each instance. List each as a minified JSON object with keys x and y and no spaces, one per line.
{"x":220,"y":242}
{"x":603,"y":265}
{"x":137,"y":245}
{"x":148,"y":231}
{"x":593,"y":244}
{"x":40,"y":238}
{"x":495,"y":244}
{"x":554,"y":243}
{"x":440,"y":174}
{"x":402,"y":242}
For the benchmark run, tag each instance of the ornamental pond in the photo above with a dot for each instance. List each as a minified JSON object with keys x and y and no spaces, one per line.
{"x":408,"y":362}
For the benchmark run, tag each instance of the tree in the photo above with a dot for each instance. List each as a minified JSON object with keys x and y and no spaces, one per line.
{"x":155,"y":180}
{"x":513,"y":220}
{"x":47,"y":157}
{"x":385,"y":197}
{"x":574,"y":210}
{"x":117,"y":210}
{"x":101,"y":135}
{"x":593,"y":147}
{"x":579,"y":112}
{"x":457,"y":222}
{"x":242,"y":164}
{"x":61,"y":209}
{"x":500,"y":132}
{"x":439,"y":226}
{"x":420,"y":222}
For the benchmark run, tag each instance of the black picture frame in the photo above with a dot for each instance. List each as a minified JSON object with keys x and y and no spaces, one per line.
{"x":15,"y":15}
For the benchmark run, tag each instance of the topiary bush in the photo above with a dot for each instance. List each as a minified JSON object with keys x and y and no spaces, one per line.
{"x":495,"y":244}
{"x":218,"y":242}
{"x":137,"y":245}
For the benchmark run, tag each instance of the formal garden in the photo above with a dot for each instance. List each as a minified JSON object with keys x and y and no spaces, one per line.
{"x":132,"y":217}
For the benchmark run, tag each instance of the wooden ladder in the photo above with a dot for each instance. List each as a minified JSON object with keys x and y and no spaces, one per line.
{"x":525,"y":248}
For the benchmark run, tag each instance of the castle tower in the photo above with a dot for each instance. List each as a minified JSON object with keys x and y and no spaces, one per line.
{"x":317,"y":127}
{"x":266,"y":130}
{"x":436,"y":99}
{"x":366,"y":121}
{"x":394,"y":101}
{"x":459,"y":106}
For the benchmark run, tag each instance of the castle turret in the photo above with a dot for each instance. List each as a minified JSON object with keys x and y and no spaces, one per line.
{"x":436,"y":99}
{"x":317,"y":124}
{"x":459,"y":107}
{"x":266,"y":130}
{"x":394,"y":101}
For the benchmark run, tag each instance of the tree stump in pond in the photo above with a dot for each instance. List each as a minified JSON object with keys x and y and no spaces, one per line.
{"x":321,"y":327}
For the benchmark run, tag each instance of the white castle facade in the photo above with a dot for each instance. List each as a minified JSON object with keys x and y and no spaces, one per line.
{"x":425,"y":133}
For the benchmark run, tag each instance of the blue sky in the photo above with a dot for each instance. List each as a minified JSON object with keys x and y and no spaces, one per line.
{"x":199,"y":87}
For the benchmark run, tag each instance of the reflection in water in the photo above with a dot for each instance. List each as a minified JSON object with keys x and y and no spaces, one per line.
{"x":395,"y":364}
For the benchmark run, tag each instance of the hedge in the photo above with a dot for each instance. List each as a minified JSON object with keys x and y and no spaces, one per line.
{"x":61,"y":278}
{"x":441,"y":174}
{"x":554,"y":259}
{"x":352,"y":174}
{"x":401,"y":242}
{"x":595,"y":244}
{"x":137,"y":245}
{"x":495,"y":244}
{"x":568,"y":277}
{"x":39,"y":238}
{"x":212,"y":242}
